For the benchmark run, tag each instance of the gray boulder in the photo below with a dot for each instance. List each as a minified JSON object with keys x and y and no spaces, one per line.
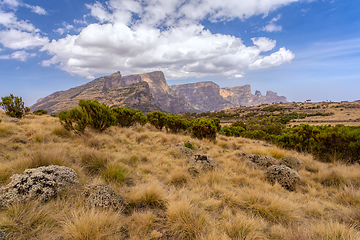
{"x":285,"y":176}
{"x":204,"y":161}
{"x":40,"y":183}
{"x":103,"y":196}
{"x":260,"y":161}
{"x":292,"y":162}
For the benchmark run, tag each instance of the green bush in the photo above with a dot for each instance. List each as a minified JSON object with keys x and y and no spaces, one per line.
{"x":89,"y":113}
{"x":203,"y":128}
{"x":157,"y":119}
{"x":40,"y":112}
{"x":14,"y":106}
{"x":126,"y":117}
{"x":175,"y":124}
{"x":75,"y":120}
{"x":100,"y":116}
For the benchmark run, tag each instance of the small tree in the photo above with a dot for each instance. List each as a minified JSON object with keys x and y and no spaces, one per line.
{"x":14,"y":106}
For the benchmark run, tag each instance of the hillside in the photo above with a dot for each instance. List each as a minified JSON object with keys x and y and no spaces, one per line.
{"x":318,"y":113}
{"x":150,"y":169}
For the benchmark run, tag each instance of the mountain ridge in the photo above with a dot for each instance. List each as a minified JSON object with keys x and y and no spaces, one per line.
{"x":150,"y":91}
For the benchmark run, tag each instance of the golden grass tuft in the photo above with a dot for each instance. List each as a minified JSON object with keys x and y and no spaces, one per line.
{"x":240,"y":226}
{"x":94,"y":161}
{"x":185,"y":222}
{"x":92,"y":224}
{"x":334,"y":230}
{"x":151,"y":195}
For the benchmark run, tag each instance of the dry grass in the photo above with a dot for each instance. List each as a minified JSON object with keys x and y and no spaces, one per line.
{"x":233,"y":201}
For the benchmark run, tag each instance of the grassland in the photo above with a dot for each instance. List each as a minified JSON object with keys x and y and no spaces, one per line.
{"x":346,"y":113}
{"x":233,"y":201}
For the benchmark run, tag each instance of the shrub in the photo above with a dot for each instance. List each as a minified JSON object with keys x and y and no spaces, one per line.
{"x":75,"y":120}
{"x":14,"y":106}
{"x":203,"y":128}
{"x":157,"y":119}
{"x":175,"y":124}
{"x":126,"y":117}
{"x":89,"y":113}
{"x":40,"y":112}
{"x":99,"y":115}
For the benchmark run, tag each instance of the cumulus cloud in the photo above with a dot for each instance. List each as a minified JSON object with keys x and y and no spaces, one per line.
{"x":36,"y":9}
{"x":16,"y":39}
{"x":137,"y":36}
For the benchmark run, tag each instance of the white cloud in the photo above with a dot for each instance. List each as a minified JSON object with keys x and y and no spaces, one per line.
{"x":275,"y":59}
{"x":36,"y":9}
{"x":272,"y":26}
{"x":16,"y":39}
{"x":11,"y":3}
{"x":65,"y":29}
{"x":167,"y":35}
{"x":18,"y":55}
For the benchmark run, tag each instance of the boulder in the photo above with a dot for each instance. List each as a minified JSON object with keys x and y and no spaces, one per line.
{"x":262,"y":162}
{"x":103,"y":196}
{"x":40,"y":183}
{"x":292,"y":162}
{"x":285,"y":176}
{"x":204,"y":161}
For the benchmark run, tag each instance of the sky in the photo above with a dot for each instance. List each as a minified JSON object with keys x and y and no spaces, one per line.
{"x":301,"y":49}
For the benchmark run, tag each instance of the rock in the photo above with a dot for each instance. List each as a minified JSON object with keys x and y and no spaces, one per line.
{"x":185,"y":150}
{"x":11,"y":120}
{"x":205,"y":162}
{"x":260,"y":161}
{"x":40,"y":183}
{"x":285,"y":176}
{"x":103,"y":196}
{"x":129,"y":181}
{"x":193,"y":171}
{"x":292,"y":162}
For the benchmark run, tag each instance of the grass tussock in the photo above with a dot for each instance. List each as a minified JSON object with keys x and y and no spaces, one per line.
{"x":143,"y":164}
{"x":92,"y":225}
{"x":151,"y":195}
{"x":185,"y":222}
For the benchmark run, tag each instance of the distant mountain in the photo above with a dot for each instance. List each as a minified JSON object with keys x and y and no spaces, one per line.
{"x":149,"y":92}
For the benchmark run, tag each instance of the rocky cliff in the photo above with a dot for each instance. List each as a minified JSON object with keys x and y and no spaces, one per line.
{"x":150,"y":91}
{"x":203,"y":96}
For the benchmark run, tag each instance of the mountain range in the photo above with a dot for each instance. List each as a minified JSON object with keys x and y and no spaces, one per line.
{"x":150,"y":92}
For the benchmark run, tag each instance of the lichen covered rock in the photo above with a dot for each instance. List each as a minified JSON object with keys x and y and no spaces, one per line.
{"x":103,"y":196}
{"x":40,"y":183}
{"x":204,"y":161}
{"x":292,"y":162}
{"x":260,"y":161}
{"x":285,"y":176}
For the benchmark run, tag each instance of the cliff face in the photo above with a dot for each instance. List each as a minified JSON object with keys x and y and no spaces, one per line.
{"x":203,"y":96}
{"x":242,"y":96}
{"x":150,"y":91}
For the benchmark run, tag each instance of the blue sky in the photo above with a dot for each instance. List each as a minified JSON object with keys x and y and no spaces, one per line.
{"x":302,"y":49}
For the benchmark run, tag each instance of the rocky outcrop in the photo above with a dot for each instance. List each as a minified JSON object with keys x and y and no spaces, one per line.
{"x":203,"y":161}
{"x":242,"y":96}
{"x":103,"y":196}
{"x":203,"y":96}
{"x":285,"y":176}
{"x":40,"y":183}
{"x":262,"y":162}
